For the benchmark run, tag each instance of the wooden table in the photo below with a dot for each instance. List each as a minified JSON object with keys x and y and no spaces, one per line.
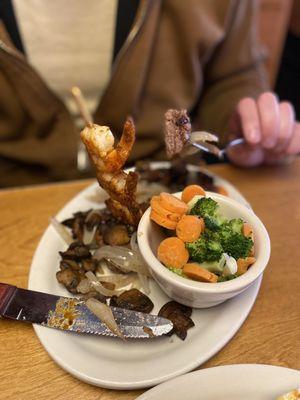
{"x":270,"y":335}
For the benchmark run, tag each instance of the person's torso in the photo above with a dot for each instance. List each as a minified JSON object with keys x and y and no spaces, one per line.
{"x":68,"y":47}
{"x":159,"y":66}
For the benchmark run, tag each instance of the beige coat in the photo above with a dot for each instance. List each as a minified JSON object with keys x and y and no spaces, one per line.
{"x":200,"y":55}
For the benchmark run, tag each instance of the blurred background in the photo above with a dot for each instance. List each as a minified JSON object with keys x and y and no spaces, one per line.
{"x":279,"y":33}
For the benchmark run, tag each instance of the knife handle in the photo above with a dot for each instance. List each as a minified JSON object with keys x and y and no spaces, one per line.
{"x":6,"y":292}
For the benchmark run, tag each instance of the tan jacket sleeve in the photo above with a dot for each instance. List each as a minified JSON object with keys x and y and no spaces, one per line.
{"x":234,"y":71}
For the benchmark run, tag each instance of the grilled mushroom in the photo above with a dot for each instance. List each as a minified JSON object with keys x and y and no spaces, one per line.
{"x":116,"y":235}
{"x":134,"y":300}
{"x":76,"y":251}
{"x":179,"y":315}
{"x":90,"y":264}
{"x":69,"y":279}
{"x":65,"y":264}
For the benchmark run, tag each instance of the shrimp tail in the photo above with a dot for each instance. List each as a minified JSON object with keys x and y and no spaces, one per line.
{"x":117,"y":158}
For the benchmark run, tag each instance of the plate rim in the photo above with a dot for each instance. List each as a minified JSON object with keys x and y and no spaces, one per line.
{"x":211,"y":370}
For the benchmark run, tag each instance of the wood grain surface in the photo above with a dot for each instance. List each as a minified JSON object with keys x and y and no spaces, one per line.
{"x":270,"y":335}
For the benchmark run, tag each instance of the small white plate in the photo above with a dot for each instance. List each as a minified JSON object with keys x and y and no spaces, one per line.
{"x":229,"y":382}
{"x":111,"y":363}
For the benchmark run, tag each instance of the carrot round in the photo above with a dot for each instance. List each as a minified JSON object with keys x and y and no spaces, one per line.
{"x":247,"y":230}
{"x":190,"y":191}
{"x":189,"y":228}
{"x":196,"y":272}
{"x":223,"y":191}
{"x":244,"y":263}
{"x":162,"y":221}
{"x":171,"y":203}
{"x":157,"y":207}
{"x":172,"y":253}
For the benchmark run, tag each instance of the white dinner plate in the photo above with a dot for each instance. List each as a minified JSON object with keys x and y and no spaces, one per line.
{"x":228,"y":382}
{"x":111,"y":363}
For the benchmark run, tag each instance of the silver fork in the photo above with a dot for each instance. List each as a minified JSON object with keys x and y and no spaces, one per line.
{"x":205,"y":141}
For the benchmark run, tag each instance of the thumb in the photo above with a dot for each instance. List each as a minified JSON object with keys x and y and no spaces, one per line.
{"x":244,"y":155}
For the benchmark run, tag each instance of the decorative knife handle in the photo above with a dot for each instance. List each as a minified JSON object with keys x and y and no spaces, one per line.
{"x":6,"y":293}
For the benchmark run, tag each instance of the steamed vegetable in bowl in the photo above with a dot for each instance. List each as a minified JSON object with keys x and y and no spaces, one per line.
{"x":203,"y":244}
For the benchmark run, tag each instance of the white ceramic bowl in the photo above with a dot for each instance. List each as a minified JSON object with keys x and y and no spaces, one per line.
{"x":200,"y":294}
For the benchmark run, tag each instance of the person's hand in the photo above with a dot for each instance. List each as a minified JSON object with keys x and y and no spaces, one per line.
{"x":269,"y":128}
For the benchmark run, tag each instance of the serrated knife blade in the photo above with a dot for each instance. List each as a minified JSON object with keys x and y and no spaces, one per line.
{"x":72,"y":315}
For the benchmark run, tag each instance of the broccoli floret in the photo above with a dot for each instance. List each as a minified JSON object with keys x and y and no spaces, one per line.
{"x":236,"y":245}
{"x":197,"y":250}
{"x":228,"y":228}
{"x":214,"y":266}
{"x":212,"y":223}
{"x":214,"y":250}
{"x":233,"y":241}
{"x":177,"y":271}
{"x":227,"y":239}
{"x":211,"y":235}
{"x":232,"y":226}
{"x":236,"y":225}
{"x":227,"y":278}
{"x":205,"y":207}
{"x":220,"y":235}
{"x":205,"y":249}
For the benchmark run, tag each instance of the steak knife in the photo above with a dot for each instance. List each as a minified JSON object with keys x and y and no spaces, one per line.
{"x":72,"y":315}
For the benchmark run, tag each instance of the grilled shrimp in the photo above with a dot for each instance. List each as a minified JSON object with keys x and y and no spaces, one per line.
{"x":99,"y":142}
{"x":108,"y":161}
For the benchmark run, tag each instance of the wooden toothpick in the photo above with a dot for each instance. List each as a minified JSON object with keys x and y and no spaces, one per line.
{"x":84,"y":112}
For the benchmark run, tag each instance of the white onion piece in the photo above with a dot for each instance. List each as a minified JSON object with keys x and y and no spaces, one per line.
{"x":84,"y":286}
{"x":91,"y":213}
{"x":62,"y":231}
{"x":144,"y":283}
{"x":120,"y":281}
{"x":137,"y":284}
{"x":88,"y":236}
{"x":102,"y":268}
{"x":230,"y":265}
{"x":104,"y":313}
{"x":133,"y":242}
{"x":127,"y":259}
{"x":114,"y":278}
{"x":99,"y":287}
{"x":203,"y":136}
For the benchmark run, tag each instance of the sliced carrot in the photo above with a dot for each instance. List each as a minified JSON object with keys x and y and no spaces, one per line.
{"x":171,"y":203}
{"x":196,"y":272}
{"x":222,"y":190}
{"x":247,"y":230}
{"x":172,"y":253}
{"x":157,"y":207}
{"x":244,"y":263}
{"x":175,"y":217}
{"x":153,"y":200}
{"x":162,"y":221}
{"x":190,"y":191}
{"x":189,"y":228}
